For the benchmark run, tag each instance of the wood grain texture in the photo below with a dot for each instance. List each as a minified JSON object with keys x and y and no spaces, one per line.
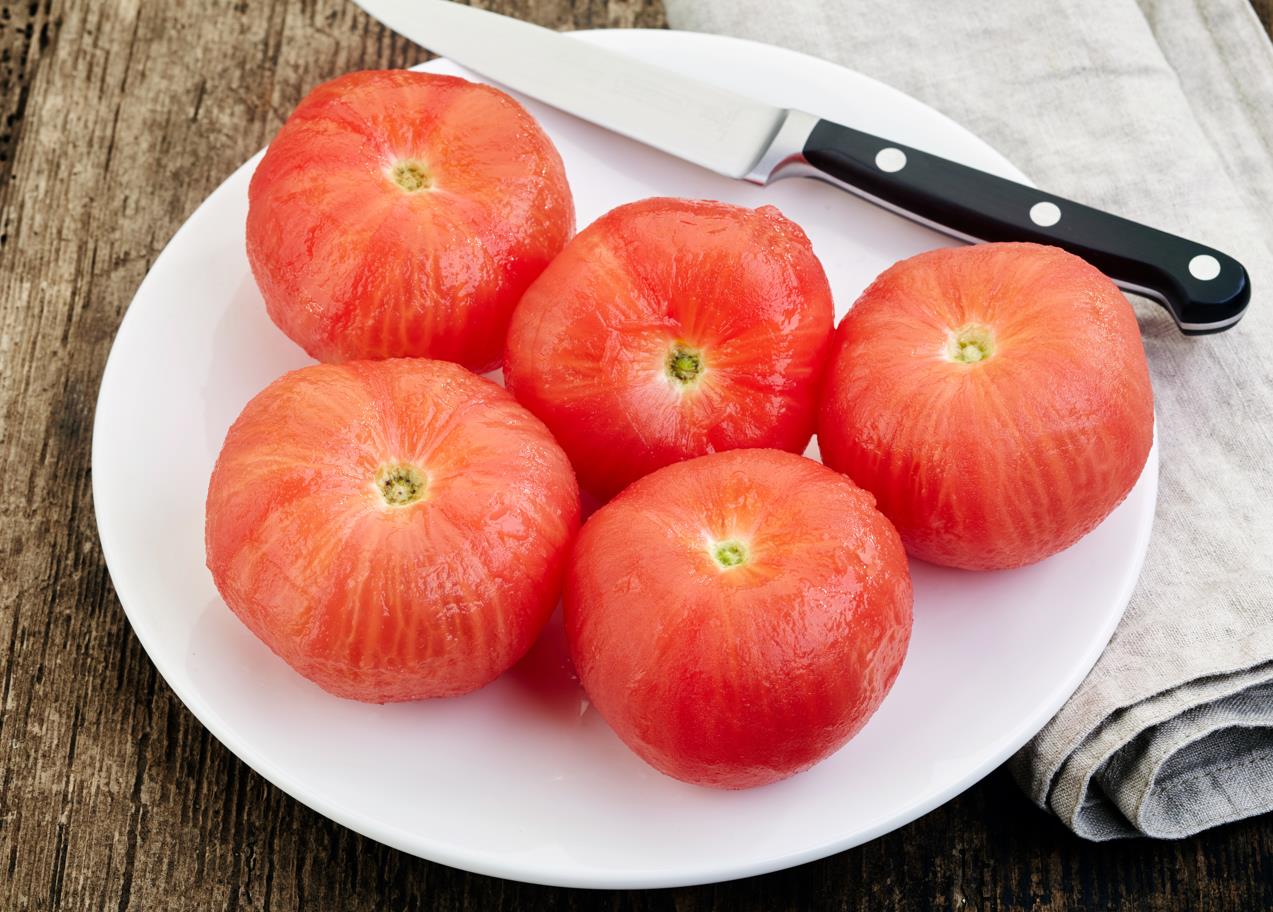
{"x":116,"y":119}
{"x":1264,"y":12}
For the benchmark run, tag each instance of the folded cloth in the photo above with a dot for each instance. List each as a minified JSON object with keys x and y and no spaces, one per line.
{"x":1161,"y":111}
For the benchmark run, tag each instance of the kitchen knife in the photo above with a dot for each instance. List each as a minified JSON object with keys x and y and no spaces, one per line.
{"x":1205,"y":290}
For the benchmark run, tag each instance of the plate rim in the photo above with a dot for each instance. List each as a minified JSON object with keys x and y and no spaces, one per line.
{"x":559,"y":874}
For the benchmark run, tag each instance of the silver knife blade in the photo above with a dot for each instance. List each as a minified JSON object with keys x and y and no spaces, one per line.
{"x":709,"y":126}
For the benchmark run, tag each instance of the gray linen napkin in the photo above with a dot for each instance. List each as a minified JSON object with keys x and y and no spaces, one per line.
{"x":1161,"y":110}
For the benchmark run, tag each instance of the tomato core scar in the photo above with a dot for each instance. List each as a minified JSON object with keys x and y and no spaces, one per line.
{"x":684,"y":364}
{"x":732,"y":553}
{"x":970,"y":344}
{"x":401,"y":485}
{"x":411,"y":176}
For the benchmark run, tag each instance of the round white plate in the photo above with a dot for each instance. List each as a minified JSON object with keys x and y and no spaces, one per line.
{"x":521,"y":780}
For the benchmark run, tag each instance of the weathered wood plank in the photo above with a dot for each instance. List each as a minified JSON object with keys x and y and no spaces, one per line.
{"x":116,"y":119}
{"x":1264,"y":12}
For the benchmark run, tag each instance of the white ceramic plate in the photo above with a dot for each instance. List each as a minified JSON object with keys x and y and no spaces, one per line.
{"x":519,"y":780}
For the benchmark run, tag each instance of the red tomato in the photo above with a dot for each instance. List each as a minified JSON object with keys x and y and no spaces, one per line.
{"x":738,"y":617}
{"x":672,"y":328}
{"x":401,"y":214}
{"x":392,"y":529}
{"x":995,"y":400}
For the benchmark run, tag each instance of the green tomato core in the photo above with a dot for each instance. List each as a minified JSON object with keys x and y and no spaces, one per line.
{"x":684,"y":364}
{"x":971,"y":344}
{"x":401,"y":485}
{"x":411,"y":176}
{"x":732,"y":553}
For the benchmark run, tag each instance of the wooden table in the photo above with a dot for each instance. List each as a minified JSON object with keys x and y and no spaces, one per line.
{"x":117,"y":117}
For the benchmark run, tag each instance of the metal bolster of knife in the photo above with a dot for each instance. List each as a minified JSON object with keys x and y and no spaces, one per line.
{"x":784,"y":156}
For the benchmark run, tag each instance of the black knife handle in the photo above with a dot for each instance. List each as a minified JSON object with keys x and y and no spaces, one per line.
{"x":1205,"y":290}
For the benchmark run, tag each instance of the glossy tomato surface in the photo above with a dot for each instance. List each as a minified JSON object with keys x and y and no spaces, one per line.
{"x":672,"y":328}
{"x":392,"y":529}
{"x":738,"y":617}
{"x":995,"y":399}
{"x":402,"y":214}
